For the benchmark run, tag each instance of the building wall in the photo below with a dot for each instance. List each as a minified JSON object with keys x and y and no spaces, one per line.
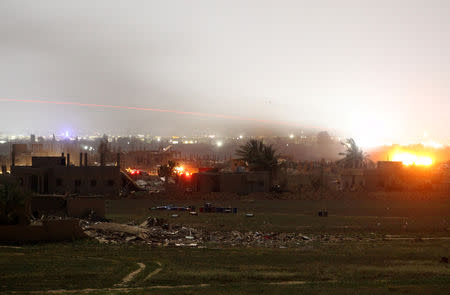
{"x":51,"y":230}
{"x":82,"y":206}
{"x":233,"y":183}
{"x":241,"y":183}
{"x":205,"y":182}
{"x":103,"y":180}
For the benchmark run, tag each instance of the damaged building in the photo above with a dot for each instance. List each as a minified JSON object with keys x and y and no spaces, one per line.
{"x":148,"y":160}
{"x":57,"y":175}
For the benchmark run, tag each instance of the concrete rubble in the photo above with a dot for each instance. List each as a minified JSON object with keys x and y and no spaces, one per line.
{"x":157,"y":232}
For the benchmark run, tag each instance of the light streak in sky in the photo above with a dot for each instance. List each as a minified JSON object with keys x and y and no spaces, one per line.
{"x":107,"y":106}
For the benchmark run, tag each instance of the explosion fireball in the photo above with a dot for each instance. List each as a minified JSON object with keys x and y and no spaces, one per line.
{"x":408,"y":159}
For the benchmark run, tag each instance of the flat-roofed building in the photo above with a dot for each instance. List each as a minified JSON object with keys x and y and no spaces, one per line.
{"x":55,"y":175}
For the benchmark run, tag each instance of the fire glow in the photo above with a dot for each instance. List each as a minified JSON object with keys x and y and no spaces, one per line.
{"x":181,"y":171}
{"x":409,"y":159}
{"x":132,"y":171}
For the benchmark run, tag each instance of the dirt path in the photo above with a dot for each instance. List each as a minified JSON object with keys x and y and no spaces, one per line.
{"x":129,"y":289}
{"x":11,"y":247}
{"x":299,"y":282}
{"x":108,"y":290}
{"x":155,"y":272}
{"x":129,"y":277}
{"x":288,"y":283}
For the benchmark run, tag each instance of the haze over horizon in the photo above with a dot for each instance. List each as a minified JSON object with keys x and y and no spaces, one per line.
{"x":375,"y":71}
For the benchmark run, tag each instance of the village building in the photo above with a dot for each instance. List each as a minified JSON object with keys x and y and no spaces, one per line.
{"x":231,"y":182}
{"x":56,"y":175}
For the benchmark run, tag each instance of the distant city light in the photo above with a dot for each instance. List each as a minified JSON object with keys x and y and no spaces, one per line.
{"x":85,"y":147}
{"x":2,"y":141}
{"x":66,"y":134}
{"x":240,"y":136}
{"x":219,"y":143}
{"x":291,"y":136}
{"x":158,"y":139}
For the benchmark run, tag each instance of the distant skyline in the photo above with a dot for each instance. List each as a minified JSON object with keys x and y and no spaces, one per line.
{"x":373,"y":70}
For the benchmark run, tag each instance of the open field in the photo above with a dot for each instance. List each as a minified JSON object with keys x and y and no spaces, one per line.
{"x":392,"y":261}
{"x":350,"y":216}
{"x":376,"y":268}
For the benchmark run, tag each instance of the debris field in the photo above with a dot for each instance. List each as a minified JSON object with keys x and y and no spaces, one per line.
{"x":157,"y":232}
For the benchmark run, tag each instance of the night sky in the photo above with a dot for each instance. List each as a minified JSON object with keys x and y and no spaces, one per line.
{"x":375,"y":70}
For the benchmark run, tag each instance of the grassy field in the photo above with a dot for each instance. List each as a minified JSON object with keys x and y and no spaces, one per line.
{"x":378,"y":266}
{"x":419,"y":218}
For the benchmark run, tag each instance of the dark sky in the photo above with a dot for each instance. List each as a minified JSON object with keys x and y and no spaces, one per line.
{"x":374,"y":70}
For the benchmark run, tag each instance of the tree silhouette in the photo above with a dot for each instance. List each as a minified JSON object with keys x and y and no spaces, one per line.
{"x":258,"y":156}
{"x":354,"y":157}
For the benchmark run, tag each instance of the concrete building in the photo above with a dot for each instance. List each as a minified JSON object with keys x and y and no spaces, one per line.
{"x":238,"y":182}
{"x":387,"y":176}
{"x":55,"y":175}
{"x":394,"y":176}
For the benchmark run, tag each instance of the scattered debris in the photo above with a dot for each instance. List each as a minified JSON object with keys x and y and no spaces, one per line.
{"x":94,"y":217}
{"x":160,"y":233}
{"x":174,"y":208}
{"x":153,"y":221}
{"x":209,"y":208}
{"x":156,"y":232}
{"x":123,"y":229}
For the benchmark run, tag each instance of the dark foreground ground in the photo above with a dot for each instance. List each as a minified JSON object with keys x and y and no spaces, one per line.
{"x":392,"y":248}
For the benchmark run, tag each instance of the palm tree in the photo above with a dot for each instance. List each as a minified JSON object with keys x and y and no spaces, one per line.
{"x":355,"y":157}
{"x":258,"y":156}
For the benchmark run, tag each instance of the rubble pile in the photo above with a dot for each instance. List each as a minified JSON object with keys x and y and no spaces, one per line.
{"x":157,"y":232}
